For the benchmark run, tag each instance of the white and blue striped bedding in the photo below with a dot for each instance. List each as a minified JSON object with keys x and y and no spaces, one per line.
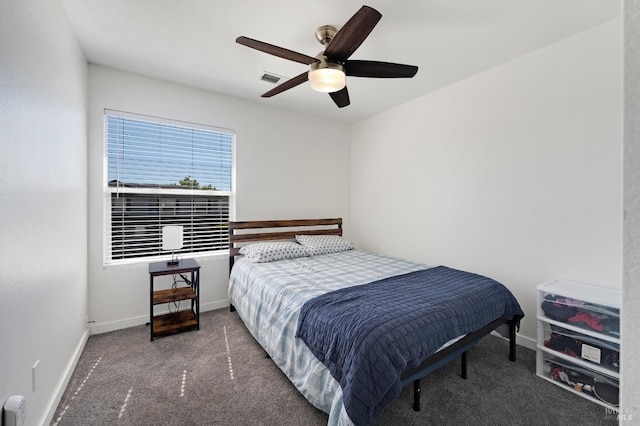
{"x":268,"y":298}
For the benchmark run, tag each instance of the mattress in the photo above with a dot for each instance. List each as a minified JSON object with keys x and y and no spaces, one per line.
{"x":268,"y":298}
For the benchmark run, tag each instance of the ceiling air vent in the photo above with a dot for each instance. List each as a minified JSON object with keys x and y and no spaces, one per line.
{"x":271,"y":78}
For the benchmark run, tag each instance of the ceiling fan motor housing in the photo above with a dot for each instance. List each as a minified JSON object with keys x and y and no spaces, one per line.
{"x":325,"y":33}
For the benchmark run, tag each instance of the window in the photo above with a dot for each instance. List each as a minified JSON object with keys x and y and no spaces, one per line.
{"x":162,"y":172}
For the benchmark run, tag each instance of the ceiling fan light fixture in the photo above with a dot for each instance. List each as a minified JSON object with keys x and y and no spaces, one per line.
{"x":327,"y":77}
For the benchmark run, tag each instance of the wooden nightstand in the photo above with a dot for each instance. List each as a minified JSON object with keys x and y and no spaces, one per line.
{"x":175,"y":322}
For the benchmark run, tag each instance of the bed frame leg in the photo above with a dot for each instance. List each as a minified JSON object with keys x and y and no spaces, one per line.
{"x":416,"y":395}
{"x":232,"y":308}
{"x":463,"y":373}
{"x":512,"y":341}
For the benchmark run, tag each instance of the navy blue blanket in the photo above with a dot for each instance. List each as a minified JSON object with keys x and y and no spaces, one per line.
{"x":369,"y":334}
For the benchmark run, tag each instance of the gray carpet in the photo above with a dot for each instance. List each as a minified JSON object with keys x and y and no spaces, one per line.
{"x":220,"y":375}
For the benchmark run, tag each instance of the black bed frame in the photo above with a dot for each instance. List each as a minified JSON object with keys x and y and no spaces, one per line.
{"x":244,"y":232}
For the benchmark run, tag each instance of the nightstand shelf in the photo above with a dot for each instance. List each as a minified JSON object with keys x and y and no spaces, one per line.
{"x":173,"y":295}
{"x":175,"y":322}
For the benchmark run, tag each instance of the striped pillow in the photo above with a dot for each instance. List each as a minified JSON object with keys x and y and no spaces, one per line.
{"x":272,"y":251}
{"x":323,"y":244}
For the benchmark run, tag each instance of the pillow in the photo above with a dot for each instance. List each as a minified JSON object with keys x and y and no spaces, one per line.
{"x":272,"y":251}
{"x":322,"y":244}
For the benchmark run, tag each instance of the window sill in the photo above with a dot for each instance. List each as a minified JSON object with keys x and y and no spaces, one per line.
{"x":140,"y":263}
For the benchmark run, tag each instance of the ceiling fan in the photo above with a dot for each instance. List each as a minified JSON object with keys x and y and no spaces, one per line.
{"x":328,"y":69}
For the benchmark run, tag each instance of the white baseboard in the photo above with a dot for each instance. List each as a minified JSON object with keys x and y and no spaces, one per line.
{"x":212,"y":306}
{"x":524,"y":341}
{"x":527,"y":342}
{"x":105,"y":327}
{"x":71,"y":366}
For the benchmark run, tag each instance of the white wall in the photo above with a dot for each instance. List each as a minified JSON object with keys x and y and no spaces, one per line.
{"x":288,"y":166}
{"x":43,"y":193}
{"x":630,"y":391}
{"x":514,"y":173}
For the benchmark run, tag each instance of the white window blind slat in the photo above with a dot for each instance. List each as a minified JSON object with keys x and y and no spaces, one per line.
{"x":163,"y":172}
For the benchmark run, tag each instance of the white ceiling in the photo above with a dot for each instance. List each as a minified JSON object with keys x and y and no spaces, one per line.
{"x":193,"y":42}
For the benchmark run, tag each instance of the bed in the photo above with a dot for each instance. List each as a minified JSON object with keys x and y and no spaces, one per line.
{"x":276,"y":298}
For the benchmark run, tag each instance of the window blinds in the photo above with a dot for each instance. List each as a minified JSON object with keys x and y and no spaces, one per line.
{"x":164,"y":172}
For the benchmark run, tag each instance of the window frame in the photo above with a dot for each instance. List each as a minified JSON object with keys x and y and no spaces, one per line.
{"x":158,"y":191}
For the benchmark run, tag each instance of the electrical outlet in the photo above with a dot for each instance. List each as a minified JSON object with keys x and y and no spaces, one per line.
{"x":15,"y":411}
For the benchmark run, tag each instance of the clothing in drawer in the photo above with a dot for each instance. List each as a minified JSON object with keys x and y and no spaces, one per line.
{"x":582,"y":346}
{"x":589,"y":316}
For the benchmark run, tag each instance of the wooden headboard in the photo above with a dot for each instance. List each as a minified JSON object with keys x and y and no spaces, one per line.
{"x":270,"y":230}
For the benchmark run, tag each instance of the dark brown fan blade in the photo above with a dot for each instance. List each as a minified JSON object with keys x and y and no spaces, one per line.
{"x":289,"y":84}
{"x":276,"y":51}
{"x":352,"y":34}
{"x":341,"y":97}
{"x":378,"y":69}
